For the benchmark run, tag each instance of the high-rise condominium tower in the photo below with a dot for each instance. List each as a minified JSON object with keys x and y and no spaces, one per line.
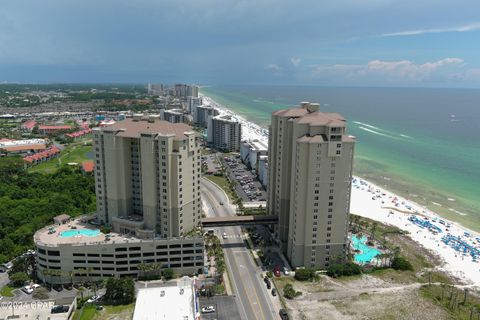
{"x":148,"y":177}
{"x":310,"y":171}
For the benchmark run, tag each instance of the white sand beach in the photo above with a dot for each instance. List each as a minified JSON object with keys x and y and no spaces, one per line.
{"x":371,"y":201}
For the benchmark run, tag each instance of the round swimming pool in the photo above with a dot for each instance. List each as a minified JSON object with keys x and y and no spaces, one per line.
{"x":81,"y":232}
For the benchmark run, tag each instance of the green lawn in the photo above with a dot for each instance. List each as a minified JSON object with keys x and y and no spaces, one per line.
{"x":222,"y":182}
{"x":72,"y":153}
{"x":121,"y":312}
{"x":7,"y":291}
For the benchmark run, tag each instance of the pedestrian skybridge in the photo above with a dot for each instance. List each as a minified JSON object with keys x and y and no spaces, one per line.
{"x":238,"y":221}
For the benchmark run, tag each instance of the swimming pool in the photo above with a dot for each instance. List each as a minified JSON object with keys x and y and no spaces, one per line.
{"x":366,"y":253}
{"x":81,"y":232}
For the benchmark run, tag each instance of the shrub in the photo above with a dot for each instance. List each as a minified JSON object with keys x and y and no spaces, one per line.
{"x":400,"y":263}
{"x":168,"y":273}
{"x":347,"y":269}
{"x":304,"y":274}
{"x":270,"y":274}
{"x":289,"y":292}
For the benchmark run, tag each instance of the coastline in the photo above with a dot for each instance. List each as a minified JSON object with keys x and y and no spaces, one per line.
{"x":363,"y":204}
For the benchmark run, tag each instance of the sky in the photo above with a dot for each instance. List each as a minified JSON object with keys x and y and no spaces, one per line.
{"x":415,"y":43}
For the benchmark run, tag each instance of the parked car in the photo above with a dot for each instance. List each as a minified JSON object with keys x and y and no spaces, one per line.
{"x":276,"y":271}
{"x":59,"y":309}
{"x":269,"y":286}
{"x":27,"y":289}
{"x":286,"y":271}
{"x":93,"y":299}
{"x":274,"y":292}
{"x":208,"y":309}
{"x":283,"y":314}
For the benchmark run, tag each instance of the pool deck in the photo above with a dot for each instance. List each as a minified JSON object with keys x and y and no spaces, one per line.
{"x":42,"y":236}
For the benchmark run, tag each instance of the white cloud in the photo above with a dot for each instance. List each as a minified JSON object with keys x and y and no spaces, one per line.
{"x":275,"y":69}
{"x":464,"y":28}
{"x":387,"y":70}
{"x":295,"y":61}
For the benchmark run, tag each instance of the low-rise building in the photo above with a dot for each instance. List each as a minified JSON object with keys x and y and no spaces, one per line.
{"x":42,"y":156}
{"x":224,"y":133}
{"x":44,"y":129}
{"x":28,"y":126}
{"x":177,"y":301}
{"x":79,"y":134}
{"x":251,"y":151}
{"x":23,"y":146}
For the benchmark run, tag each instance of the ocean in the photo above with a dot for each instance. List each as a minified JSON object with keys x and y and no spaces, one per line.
{"x":421,"y":143}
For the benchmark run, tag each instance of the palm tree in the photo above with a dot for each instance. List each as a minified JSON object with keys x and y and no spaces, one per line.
{"x":81,"y":289}
{"x":71,"y":275}
{"x":373,"y":229}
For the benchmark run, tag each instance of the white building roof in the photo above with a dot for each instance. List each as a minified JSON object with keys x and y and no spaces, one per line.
{"x":167,"y":303}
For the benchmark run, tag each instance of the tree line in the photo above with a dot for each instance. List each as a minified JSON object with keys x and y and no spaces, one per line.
{"x":29,"y":201}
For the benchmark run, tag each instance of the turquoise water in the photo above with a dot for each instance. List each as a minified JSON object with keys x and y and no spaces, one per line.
{"x":367,"y":253}
{"x":81,"y":232}
{"x":421,"y":143}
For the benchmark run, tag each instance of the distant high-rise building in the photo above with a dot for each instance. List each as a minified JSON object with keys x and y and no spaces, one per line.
{"x":156,"y":89}
{"x":193,"y":103}
{"x":175,"y":116}
{"x":224,"y":133}
{"x":192,"y":91}
{"x":148,"y":177}
{"x":310,"y":170}
{"x":202,"y":113}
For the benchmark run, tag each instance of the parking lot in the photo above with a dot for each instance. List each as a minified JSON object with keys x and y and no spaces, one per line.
{"x":247,"y":186}
{"x":225,"y":308}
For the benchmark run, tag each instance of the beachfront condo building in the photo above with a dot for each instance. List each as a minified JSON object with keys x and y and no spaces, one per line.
{"x":224,"y":132}
{"x":147,"y":180}
{"x":310,"y":170}
{"x":202,"y":113}
{"x":147,"y":175}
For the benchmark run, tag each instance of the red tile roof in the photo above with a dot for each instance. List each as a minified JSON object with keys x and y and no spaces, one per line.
{"x":42,"y":155}
{"x":80,"y":133}
{"x":45,"y":127}
{"x":29,"y":124}
{"x":88,"y":166}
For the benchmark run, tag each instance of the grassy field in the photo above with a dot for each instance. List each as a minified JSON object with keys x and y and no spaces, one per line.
{"x":77,"y":153}
{"x":7,"y":291}
{"x":89,"y":312}
{"x":222,"y":183}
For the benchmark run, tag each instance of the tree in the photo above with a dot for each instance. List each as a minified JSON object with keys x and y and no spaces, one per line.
{"x":19,"y":265}
{"x":18,"y":279}
{"x":304,"y":274}
{"x":168,"y":273}
{"x":348,"y":269}
{"x":120,"y":291}
{"x":400,"y":263}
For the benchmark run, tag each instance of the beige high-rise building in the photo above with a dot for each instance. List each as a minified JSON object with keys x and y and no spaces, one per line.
{"x":147,"y":175}
{"x":224,"y":132}
{"x":310,"y":170}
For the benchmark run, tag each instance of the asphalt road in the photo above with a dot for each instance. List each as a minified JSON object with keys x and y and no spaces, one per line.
{"x":252,"y":297}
